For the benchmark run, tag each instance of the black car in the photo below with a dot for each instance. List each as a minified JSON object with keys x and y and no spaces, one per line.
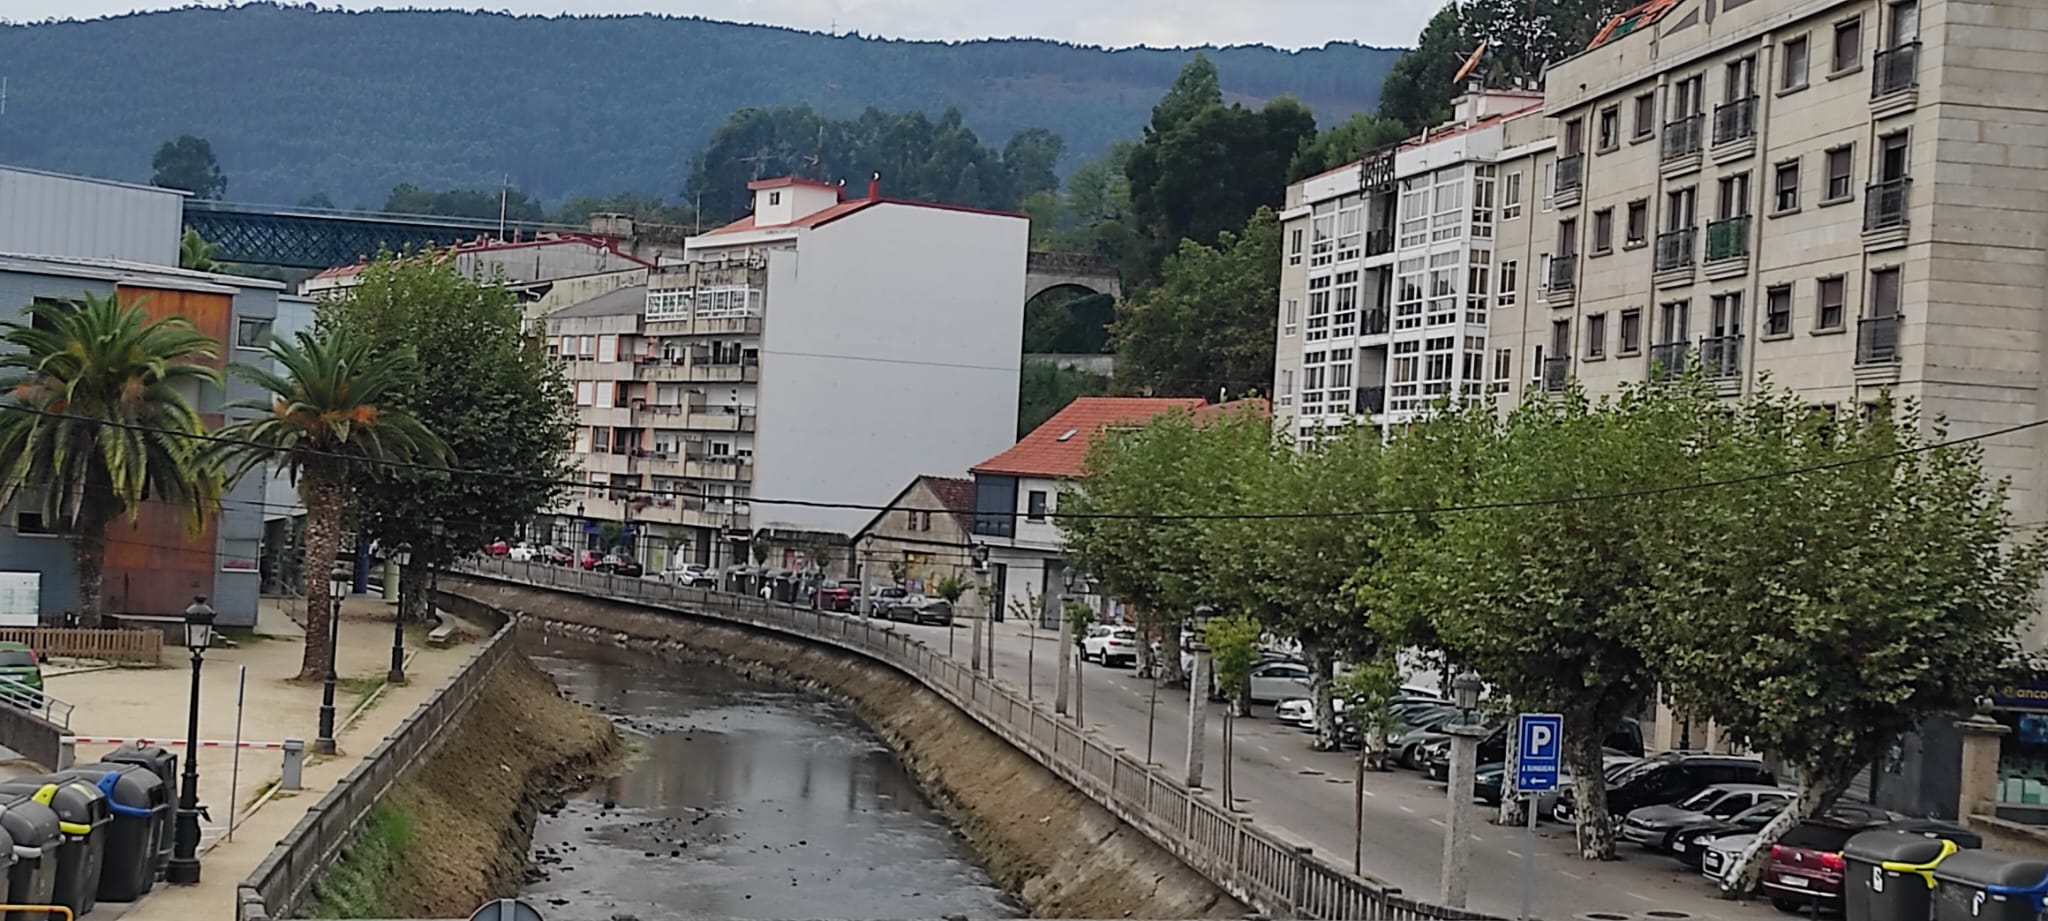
{"x":1626,"y":739}
{"x":619,"y":566}
{"x":1670,"y":777}
{"x":1654,"y":827}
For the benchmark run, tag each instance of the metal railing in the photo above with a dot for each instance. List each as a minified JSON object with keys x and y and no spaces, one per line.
{"x":1721,"y":356}
{"x":1734,"y":121}
{"x":1682,"y":137}
{"x":1676,"y":248}
{"x":1884,"y":203}
{"x":1571,"y":170}
{"x":1564,"y":272}
{"x":1278,"y":876}
{"x":1379,"y":242}
{"x":1667,"y":360}
{"x":1556,"y":370}
{"x":1877,"y":340}
{"x":1728,"y":238}
{"x":1370,"y":401}
{"x":51,"y":708}
{"x":1375,"y":321}
{"x":1895,"y":70}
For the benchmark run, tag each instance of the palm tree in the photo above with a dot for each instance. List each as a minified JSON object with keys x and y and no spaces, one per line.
{"x":328,"y":410}
{"x":93,"y":421}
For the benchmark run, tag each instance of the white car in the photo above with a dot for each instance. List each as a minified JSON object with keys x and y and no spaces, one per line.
{"x":1719,"y":858}
{"x":690,"y":574}
{"x":1277,"y":681}
{"x":1110,"y":645}
{"x":522,"y":552}
{"x":1301,"y":711}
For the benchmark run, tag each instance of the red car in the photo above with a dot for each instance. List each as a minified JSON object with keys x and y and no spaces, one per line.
{"x":1807,"y":866}
{"x":841,"y":598}
{"x":590,"y":559}
{"x":498,"y":548}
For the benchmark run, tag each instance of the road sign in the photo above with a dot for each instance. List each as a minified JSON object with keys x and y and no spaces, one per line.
{"x":1539,"y":751}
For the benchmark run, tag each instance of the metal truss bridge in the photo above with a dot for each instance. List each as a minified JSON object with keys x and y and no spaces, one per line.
{"x":318,"y":238}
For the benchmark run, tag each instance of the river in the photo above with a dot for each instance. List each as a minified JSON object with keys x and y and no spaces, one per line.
{"x":743,"y":801}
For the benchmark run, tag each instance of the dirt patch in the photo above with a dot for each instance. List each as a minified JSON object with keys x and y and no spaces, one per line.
{"x":456,"y":831}
{"x":1054,"y":848}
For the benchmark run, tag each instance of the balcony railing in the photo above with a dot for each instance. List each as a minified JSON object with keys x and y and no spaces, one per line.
{"x":1570,"y":173}
{"x":1734,"y":121}
{"x":1896,"y":70}
{"x":1721,"y":356}
{"x":1728,"y":238}
{"x":1877,"y":340}
{"x":1884,"y":204}
{"x":1668,"y":360}
{"x":1556,"y":370}
{"x":1371,"y":401}
{"x":1564,"y":273}
{"x":1682,"y":137}
{"x":1376,"y":321}
{"x":1379,"y":242}
{"x":1677,"y":249}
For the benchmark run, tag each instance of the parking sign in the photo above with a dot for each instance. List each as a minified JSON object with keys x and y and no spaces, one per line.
{"x":1540,"y":744}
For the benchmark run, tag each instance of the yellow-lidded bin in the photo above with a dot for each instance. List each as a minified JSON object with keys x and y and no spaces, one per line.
{"x":1890,"y":874}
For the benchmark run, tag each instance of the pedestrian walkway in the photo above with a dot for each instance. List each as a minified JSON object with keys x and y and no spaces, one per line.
{"x":130,"y":702}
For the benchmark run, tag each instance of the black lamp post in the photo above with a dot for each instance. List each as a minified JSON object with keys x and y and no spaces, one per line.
{"x":337,"y":587}
{"x":397,"y":675}
{"x":183,"y":868}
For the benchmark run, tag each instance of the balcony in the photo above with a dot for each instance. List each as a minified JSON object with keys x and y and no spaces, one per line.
{"x":1884,"y":205}
{"x":737,"y":372}
{"x":1734,"y":121}
{"x":1728,"y":247}
{"x":1681,"y":145}
{"x":1895,"y":79}
{"x":1677,"y":251}
{"x":1668,"y":360}
{"x":1571,"y":170}
{"x":1375,"y":322}
{"x":1379,"y":242}
{"x":1721,"y":356}
{"x":1877,"y":340}
{"x":1371,"y":401}
{"x":1564,"y":278}
{"x":1557,"y":371}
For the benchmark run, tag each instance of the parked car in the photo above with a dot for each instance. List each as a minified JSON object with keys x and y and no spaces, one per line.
{"x":1670,"y":777}
{"x":522,"y":552}
{"x":498,"y":548}
{"x":1690,"y":845}
{"x":1653,"y":827}
{"x":619,"y":566}
{"x":918,"y":609}
{"x":555,"y":556}
{"x":21,"y":665}
{"x":693,"y":575}
{"x":1301,"y":711}
{"x":841,"y":597}
{"x":1486,"y":781}
{"x":1110,"y":645}
{"x":1278,"y":680}
{"x":590,"y":559}
{"x":882,"y":597}
{"x":1806,"y":865}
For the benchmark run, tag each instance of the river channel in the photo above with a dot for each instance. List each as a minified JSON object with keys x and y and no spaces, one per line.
{"x":743,"y":801}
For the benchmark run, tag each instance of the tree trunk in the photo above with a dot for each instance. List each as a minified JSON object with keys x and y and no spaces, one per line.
{"x":1320,"y":672}
{"x":322,"y":495}
{"x":412,"y":594}
{"x":89,"y":553}
{"x":1511,"y":812}
{"x":1170,"y":671}
{"x":1818,"y":790}
{"x":1589,"y":791}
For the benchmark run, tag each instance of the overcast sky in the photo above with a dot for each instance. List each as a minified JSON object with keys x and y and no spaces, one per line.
{"x":1286,"y":23}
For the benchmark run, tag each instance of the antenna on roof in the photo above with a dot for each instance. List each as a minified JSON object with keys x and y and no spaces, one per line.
{"x":504,"y":198}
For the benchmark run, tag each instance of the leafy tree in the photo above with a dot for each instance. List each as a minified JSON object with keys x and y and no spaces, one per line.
{"x":1368,"y":691}
{"x":480,"y":204}
{"x":327,"y":413}
{"x":1210,"y":323}
{"x":1233,"y":642}
{"x":1346,"y":142}
{"x":647,"y":208}
{"x":195,"y":253}
{"x":1419,"y":88}
{"x":187,"y":163}
{"x":1497,"y":582}
{"x":1045,"y":388}
{"x":95,"y":422}
{"x":1523,"y":38}
{"x":1059,"y":323}
{"x":1825,"y":614}
{"x":490,"y":393}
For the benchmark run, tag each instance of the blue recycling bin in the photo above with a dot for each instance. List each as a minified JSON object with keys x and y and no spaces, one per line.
{"x":141,"y":809}
{"x":1990,"y":886}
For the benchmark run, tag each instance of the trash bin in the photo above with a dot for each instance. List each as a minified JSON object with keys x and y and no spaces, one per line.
{"x":34,"y":835}
{"x":82,"y":819}
{"x":1890,"y":875}
{"x":140,"y":806}
{"x":164,"y":765}
{"x":1989,"y":886}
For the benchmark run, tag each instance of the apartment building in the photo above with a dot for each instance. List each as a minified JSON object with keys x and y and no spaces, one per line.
{"x":1390,"y":271}
{"x":825,"y":349}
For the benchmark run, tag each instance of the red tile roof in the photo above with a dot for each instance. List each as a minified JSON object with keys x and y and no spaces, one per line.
{"x":1490,"y":120}
{"x":847,"y":209}
{"x":1632,"y":19}
{"x":1259,"y":405}
{"x":1057,"y":448}
{"x":956,"y":495}
{"x":783,"y":182}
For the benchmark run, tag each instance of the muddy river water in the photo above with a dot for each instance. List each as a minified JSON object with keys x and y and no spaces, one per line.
{"x":742,"y":801}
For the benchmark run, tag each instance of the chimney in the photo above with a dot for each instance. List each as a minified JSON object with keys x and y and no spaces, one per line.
{"x":875,"y":187}
{"x":842,"y":190}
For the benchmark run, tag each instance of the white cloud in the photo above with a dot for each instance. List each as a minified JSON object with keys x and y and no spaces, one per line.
{"x":1286,"y":23}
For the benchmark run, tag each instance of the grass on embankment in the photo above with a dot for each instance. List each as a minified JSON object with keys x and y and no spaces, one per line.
{"x":357,"y":885}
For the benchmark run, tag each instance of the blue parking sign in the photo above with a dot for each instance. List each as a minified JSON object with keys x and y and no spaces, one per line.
{"x":1539,"y":751}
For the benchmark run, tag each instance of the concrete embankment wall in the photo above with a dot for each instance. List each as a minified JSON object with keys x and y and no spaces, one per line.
{"x":1055,"y":848}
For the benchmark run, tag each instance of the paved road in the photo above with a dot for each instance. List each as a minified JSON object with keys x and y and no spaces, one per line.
{"x":1307,"y":795}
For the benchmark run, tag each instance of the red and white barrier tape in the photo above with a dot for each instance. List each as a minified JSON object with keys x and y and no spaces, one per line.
{"x":203,"y":743}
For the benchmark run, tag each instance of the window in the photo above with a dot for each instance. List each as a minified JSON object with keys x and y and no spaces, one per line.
{"x":1567,"y":237}
{"x":1673,"y":324}
{"x":1631,"y":331}
{"x":1294,"y":247}
{"x":586,"y":346}
{"x":1734,"y":197}
{"x":1792,"y":73}
{"x":1884,"y":293}
{"x":1646,"y":115}
{"x":1785,"y":188}
{"x":1549,"y":183}
{"x":1596,"y":336}
{"x":1778,"y":311}
{"x":1609,"y":128}
{"x":1511,"y":200}
{"x":1286,"y":387}
{"x":31,"y":523}
{"x":1848,"y":45}
{"x":252,"y":334}
{"x":1603,"y":231}
{"x":1504,"y":294}
{"x":608,"y":348}
{"x":1574,"y":137}
{"x":1828,"y":309}
{"x":1739,"y":79}
{"x":1638,"y":221}
{"x":1892,"y":157}
{"x":1034,"y":507}
{"x":1678,"y":208}
{"x":1687,"y":96}
{"x":1841,"y":174}
{"x":1291,"y":319}
{"x":586,"y":393}
{"x":1503,"y":368}
{"x":1905,"y":22}
{"x":775,"y":198}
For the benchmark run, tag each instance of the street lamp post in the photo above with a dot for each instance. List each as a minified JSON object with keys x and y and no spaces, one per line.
{"x":324,"y":743}
{"x":397,"y":675}
{"x":1074,"y":650}
{"x":980,"y":557}
{"x":1198,"y":695}
{"x":183,"y":868}
{"x":1465,"y":736}
{"x":1065,"y":649}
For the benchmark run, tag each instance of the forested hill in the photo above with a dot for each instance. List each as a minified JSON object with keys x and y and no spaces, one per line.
{"x":299,"y":101}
